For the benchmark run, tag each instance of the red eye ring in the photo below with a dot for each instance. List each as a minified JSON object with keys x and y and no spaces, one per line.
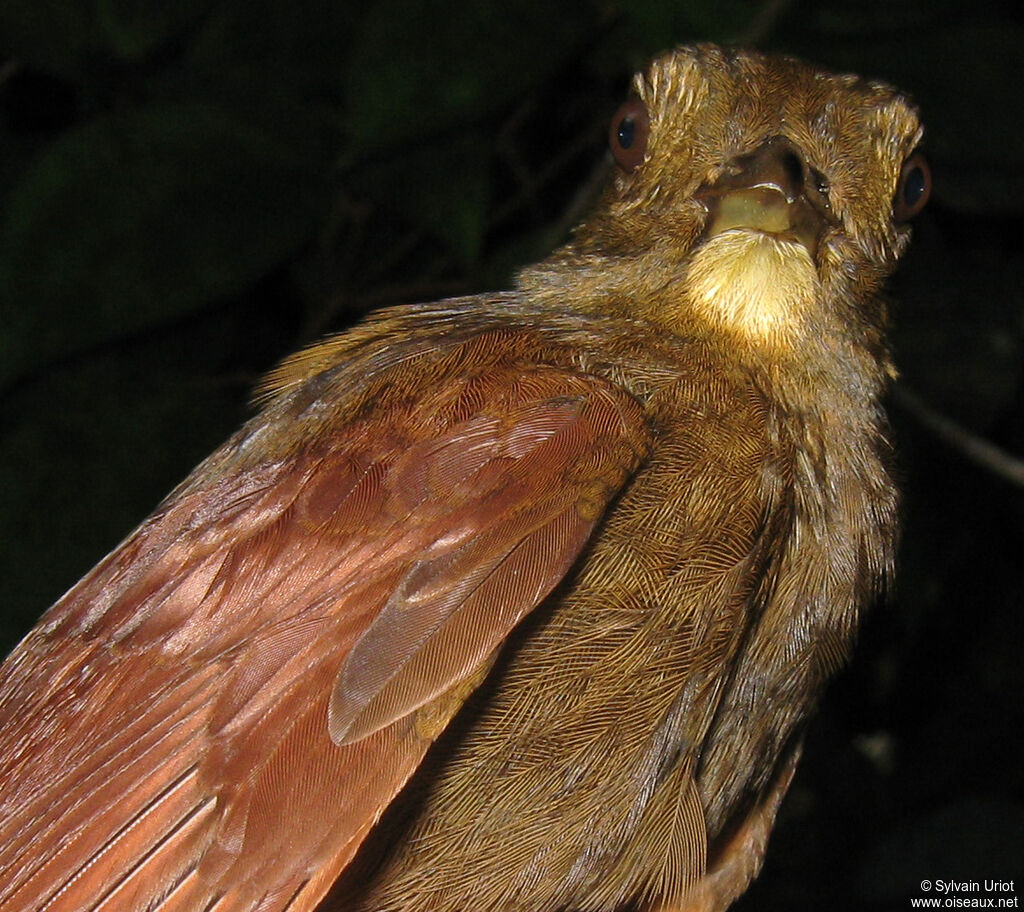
{"x":913,"y":189}
{"x":628,"y":134}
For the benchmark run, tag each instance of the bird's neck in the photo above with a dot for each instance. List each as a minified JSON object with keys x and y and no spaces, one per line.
{"x":778,"y":328}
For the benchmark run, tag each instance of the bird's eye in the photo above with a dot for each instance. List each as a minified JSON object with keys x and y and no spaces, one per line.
{"x":914,"y":188}
{"x":628,"y":134}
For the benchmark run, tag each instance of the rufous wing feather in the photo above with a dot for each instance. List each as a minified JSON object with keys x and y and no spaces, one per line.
{"x":220,"y":712}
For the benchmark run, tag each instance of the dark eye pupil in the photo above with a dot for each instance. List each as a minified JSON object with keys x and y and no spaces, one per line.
{"x":913,"y":186}
{"x":626,"y":132}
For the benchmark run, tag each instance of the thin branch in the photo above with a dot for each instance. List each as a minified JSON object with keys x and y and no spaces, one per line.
{"x":976,"y":449}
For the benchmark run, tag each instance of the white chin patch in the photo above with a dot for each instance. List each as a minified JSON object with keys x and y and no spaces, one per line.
{"x":759,"y":286}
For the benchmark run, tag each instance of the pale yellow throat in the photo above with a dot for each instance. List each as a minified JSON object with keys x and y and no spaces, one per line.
{"x":754,"y":276}
{"x":760,"y":286}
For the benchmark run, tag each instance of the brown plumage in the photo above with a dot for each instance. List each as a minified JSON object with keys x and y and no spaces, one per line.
{"x":665,"y":443}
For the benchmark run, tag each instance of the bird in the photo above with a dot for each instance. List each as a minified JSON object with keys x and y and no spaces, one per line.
{"x":515,"y":601}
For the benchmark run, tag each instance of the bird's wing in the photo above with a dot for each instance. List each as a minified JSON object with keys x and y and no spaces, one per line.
{"x":216,"y":716}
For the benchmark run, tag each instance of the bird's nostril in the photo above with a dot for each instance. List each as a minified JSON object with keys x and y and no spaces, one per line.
{"x":793,"y":168}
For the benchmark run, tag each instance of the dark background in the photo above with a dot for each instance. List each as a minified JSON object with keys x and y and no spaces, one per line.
{"x":191,"y":190}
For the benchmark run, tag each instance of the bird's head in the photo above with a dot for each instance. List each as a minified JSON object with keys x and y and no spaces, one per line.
{"x":755,"y":196}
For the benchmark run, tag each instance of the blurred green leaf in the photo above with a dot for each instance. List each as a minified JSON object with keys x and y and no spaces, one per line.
{"x":141,"y":216}
{"x":88,"y":451}
{"x":134,"y":28}
{"x":53,"y":35}
{"x":297,"y":49}
{"x":440,"y":187}
{"x":421,"y":66}
{"x":67,"y":37}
